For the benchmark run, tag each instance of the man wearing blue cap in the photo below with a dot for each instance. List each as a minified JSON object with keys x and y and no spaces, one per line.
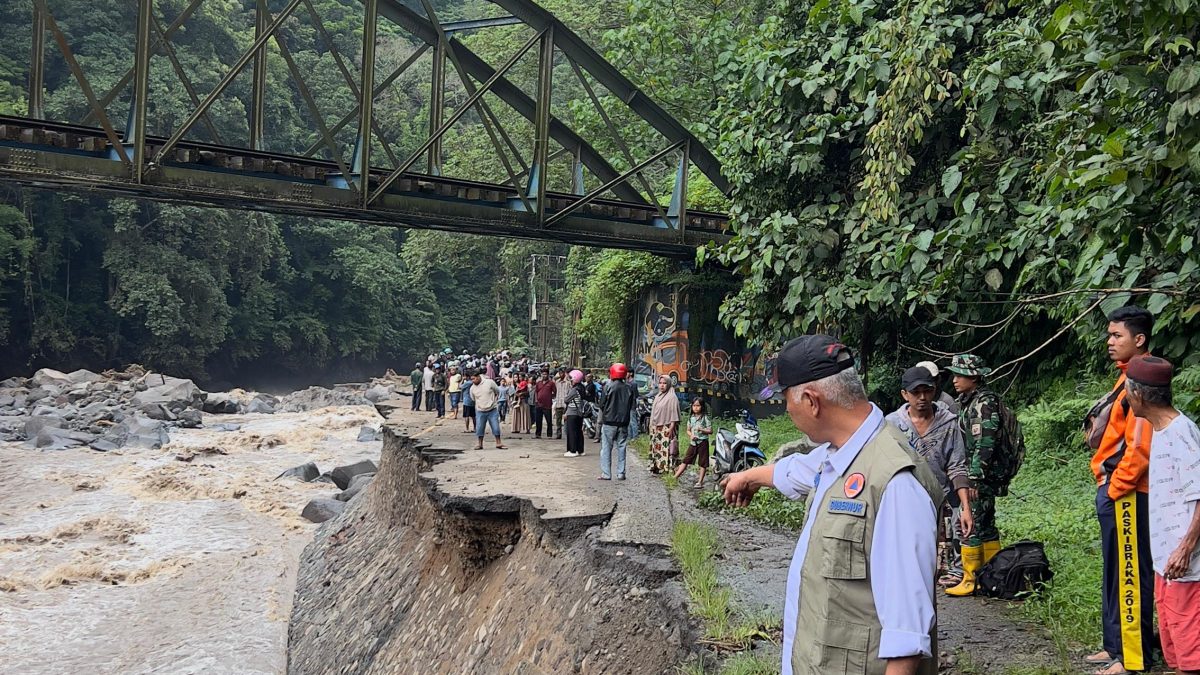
{"x":860,"y":586}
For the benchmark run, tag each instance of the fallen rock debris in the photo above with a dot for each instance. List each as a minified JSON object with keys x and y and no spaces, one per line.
{"x":135,"y":408}
{"x":52,"y":410}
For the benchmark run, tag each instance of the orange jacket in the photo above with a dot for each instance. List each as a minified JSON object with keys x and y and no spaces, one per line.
{"x":1123,"y":459}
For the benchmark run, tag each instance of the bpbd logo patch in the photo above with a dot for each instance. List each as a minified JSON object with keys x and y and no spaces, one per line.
{"x":855,"y":484}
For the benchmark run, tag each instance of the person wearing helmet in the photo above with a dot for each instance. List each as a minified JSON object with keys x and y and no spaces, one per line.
{"x":573,"y":414}
{"x":615,"y":408}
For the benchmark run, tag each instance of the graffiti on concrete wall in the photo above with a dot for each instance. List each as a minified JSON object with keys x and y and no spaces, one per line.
{"x":715,"y":367}
{"x":700,"y":358}
{"x":662,"y":338}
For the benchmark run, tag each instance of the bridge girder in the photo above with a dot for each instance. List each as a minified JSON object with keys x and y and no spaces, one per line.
{"x":174,"y":168}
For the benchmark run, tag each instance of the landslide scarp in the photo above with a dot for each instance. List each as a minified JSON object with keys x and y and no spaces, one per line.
{"x":412,"y":580}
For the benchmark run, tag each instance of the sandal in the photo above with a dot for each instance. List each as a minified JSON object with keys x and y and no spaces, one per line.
{"x":501,"y":447}
{"x":478,"y":447}
{"x":603,"y":478}
{"x":1108,"y":670}
{"x":1101,"y":657}
{"x":952,"y":580}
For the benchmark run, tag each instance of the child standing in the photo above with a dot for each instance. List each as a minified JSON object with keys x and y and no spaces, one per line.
{"x":699,"y":428}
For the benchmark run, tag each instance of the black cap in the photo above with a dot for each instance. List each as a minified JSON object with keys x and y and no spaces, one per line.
{"x":806,"y":359}
{"x":915,"y":377}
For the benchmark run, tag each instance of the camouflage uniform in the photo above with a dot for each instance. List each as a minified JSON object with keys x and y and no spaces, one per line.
{"x":979,"y":419}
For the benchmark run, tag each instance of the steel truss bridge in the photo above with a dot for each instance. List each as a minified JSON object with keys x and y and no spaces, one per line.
{"x":359,"y":176}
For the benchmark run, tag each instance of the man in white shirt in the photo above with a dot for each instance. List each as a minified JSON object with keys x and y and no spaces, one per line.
{"x":1174,"y":516}
{"x":860,"y":586}
{"x":486,"y":394}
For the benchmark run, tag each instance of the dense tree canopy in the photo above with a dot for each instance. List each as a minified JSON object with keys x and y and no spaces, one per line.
{"x":920,"y":173}
{"x":927,"y":170}
{"x":98,"y":282}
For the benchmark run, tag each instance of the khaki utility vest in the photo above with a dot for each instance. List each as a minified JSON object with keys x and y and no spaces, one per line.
{"x":837,"y":628}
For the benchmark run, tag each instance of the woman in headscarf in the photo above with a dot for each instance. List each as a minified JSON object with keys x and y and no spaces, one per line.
{"x":664,"y":425}
{"x":575,"y":402}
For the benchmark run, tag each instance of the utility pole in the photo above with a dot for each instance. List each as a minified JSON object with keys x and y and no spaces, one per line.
{"x":547,"y":305}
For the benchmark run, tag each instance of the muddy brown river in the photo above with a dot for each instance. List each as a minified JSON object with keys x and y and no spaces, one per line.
{"x":178,"y":560}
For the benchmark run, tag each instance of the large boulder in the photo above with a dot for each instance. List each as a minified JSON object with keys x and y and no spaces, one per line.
{"x":35,"y":424}
{"x":190,"y":419}
{"x":172,"y":392}
{"x":82,"y":376}
{"x":136,"y":432}
{"x":54,"y":438}
{"x":304,"y":472}
{"x":48,"y":377}
{"x":360,"y":482}
{"x":319,"y":397}
{"x":260,"y":405}
{"x":344,"y":474}
{"x":220,"y":404}
{"x":322,"y":509}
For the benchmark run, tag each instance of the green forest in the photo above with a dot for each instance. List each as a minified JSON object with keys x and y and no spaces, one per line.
{"x":923,"y":176}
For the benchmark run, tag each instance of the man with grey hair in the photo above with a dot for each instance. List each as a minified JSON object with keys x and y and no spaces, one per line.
{"x":860,"y":586}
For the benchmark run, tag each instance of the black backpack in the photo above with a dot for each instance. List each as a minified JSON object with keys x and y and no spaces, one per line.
{"x":1014,"y":572}
{"x":1008,"y":457}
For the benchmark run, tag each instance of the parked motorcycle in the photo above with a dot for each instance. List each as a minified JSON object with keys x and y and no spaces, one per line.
{"x":738,"y":450}
{"x":591,"y":419}
{"x":644,"y":405}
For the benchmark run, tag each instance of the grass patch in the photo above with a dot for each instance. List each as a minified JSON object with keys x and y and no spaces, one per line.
{"x":736,"y":664}
{"x":725,"y":629}
{"x":769,"y":506}
{"x":1052,"y":501}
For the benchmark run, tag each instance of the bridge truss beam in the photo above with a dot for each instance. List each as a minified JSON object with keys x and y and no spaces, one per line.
{"x":620,"y":210}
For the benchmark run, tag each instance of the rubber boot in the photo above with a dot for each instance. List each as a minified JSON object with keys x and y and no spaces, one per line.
{"x":972,"y":559}
{"x":990,"y":549}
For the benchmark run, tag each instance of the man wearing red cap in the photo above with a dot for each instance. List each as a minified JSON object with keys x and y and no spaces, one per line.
{"x":1174,"y":516}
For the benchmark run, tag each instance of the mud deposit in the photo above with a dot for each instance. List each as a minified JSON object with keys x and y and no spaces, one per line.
{"x":176,"y":560}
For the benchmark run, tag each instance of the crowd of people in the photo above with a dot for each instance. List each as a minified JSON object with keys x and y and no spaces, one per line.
{"x":861,"y":583}
{"x":544,"y":400}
